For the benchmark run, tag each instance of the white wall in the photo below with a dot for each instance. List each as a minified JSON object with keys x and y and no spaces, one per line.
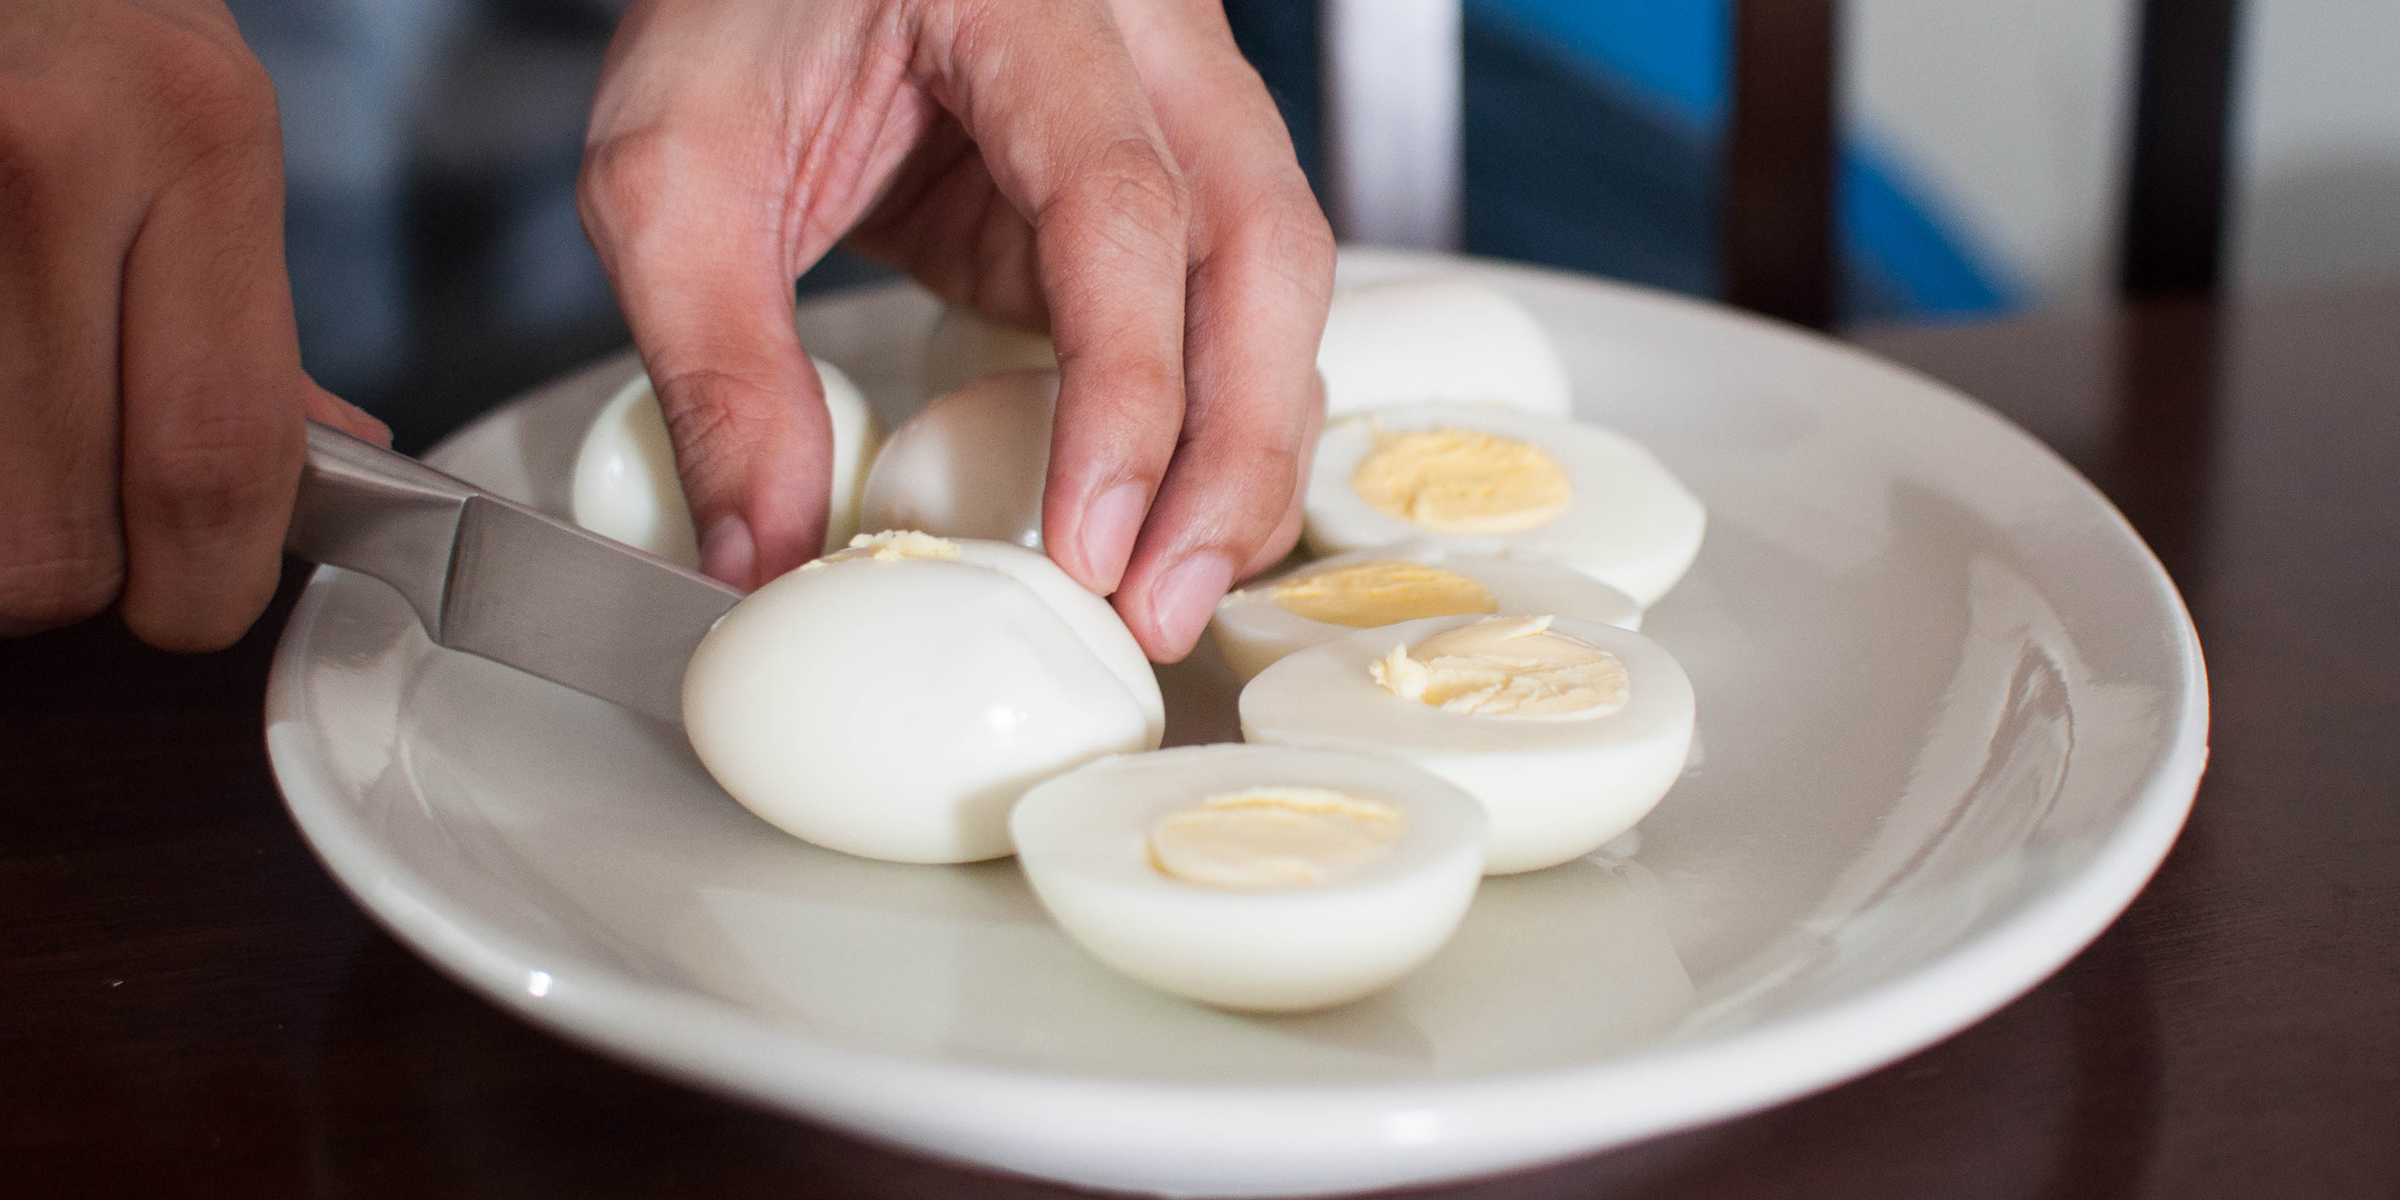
{"x":2013,"y":119}
{"x":2010,"y":118}
{"x":2317,"y":140}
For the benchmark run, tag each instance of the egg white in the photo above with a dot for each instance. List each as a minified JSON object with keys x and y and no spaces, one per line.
{"x":1628,"y":523}
{"x":1082,"y":841}
{"x":1252,"y":630}
{"x":971,"y":464}
{"x":625,"y":486}
{"x":895,"y":710}
{"x":1437,"y":339}
{"x":1556,"y":787}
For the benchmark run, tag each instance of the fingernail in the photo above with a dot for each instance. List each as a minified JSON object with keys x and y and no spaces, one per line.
{"x":1186,"y":597}
{"x":729,"y":554}
{"x":1109,"y":527}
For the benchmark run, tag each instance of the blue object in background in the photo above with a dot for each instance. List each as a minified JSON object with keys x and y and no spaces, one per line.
{"x":1646,"y":81}
{"x":1592,"y":138}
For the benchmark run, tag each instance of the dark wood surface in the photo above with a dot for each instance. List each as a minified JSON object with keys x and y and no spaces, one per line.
{"x":189,"y":1006}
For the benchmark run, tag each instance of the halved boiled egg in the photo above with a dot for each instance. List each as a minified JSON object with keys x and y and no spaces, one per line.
{"x":1568,"y":731}
{"x":1437,"y":339}
{"x":971,"y":464}
{"x":966,"y":346}
{"x":625,"y":483}
{"x":1364,"y":589}
{"x":892,"y":700}
{"x":1484,"y":479}
{"x":1253,"y":877}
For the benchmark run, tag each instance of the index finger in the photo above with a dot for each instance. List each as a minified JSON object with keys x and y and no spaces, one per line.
{"x":1052,"y":100}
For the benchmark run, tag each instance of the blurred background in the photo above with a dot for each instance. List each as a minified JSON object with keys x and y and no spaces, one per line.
{"x":438,"y":264}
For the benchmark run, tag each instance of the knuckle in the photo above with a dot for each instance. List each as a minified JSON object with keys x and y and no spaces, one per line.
{"x":218,"y":94}
{"x":1289,"y":238}
{"x":1133,"y":176}
{"x":711,"y":421}
{"x":622,"y":178}
{"x":60,"y":576}
{"x":221,"y":473}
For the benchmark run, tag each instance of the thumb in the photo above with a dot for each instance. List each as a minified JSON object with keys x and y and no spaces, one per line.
{"x":702,"y":284}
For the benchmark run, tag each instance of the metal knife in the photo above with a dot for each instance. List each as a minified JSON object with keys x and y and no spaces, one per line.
{"x":497,"y":579}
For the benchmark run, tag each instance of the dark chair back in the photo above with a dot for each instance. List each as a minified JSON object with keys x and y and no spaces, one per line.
{"x":1779,"y":212}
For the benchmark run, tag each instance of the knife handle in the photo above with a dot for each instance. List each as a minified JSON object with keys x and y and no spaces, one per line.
{"x":384,"y":514}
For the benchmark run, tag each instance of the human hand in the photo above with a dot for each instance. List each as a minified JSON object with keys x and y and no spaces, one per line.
{"x":1111,"y":170}
{"x":151,"y":397}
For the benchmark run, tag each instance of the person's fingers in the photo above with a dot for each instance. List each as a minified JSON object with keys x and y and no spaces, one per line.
{"x":699,"y":269}
{"x":213,"y":394}
{"x":941,"y":199}
{"x":1261,"y":278}
{"x":61,"y":556}
{"x":1229,"y":501}
{"x":1295,"y":510}
{"x":1064,"y":128}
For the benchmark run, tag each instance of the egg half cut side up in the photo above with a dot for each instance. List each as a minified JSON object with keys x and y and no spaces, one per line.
{"x":1263,"y":621}
{"x":894,"y":699}
{"x":1486,"y":480}
{"x":625,"y":486}
{"x":1252,"y":877}
{"x":1569,"y":732}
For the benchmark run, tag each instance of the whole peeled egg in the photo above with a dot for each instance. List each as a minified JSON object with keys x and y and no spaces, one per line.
{"x":1437,"y":339}
{"x":1253,"y":877}
{"x":894,"y":699}
{"x":971,"y":464}
{"x":625,"y":486}
{"x":966,"y":346}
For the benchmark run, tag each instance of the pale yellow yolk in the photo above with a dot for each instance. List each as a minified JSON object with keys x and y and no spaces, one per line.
{"x":1462,"y":481}
{"x":1365,"y":595}
{"x":892,"y":545}
{"x":1274,"y":837}
{"x":1511,"y":666}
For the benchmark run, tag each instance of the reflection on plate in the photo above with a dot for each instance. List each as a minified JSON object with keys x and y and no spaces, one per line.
{"x":1952,"y":715}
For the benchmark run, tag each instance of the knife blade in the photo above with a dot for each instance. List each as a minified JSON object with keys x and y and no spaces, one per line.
{"x":494,"y":578}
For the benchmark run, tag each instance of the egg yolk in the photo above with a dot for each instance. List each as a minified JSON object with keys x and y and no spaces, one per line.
{"x":1505,"y":666}
{"x":1264,"y":838}
{"x":1462,"y":481}
{"x":892,"y":545}
{"x":1365,"y":595}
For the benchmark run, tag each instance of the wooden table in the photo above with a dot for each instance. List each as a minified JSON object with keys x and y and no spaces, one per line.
{"x":189,"y":1006}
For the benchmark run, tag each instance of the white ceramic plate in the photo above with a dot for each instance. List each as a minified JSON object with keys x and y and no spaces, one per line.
{"x":1952,"y":715}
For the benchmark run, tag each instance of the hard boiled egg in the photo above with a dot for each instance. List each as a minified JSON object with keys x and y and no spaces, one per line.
{"x":892,"y":700}
{"x":1483,"y":479}
{"x":1253,"y":877}
{"x":1396,"y":341}
{"x":965,"y":347}
{"x":625,"y":483}
{"x":1258,"y":624}
{"x":971,"y":464}
{"x":1408,"y":341}
{"x":1568,"y":731}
